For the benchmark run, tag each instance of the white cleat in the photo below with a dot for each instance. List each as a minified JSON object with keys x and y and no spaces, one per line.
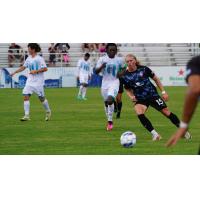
{"x":25,"y":118}
{"x":156,"y":138}
{"x":48,"y":116}
{"x":188,"y":136}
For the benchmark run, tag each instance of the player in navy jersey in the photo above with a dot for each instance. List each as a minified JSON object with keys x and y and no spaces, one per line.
{"x":136,"y":80}
{"x":191,"y":99}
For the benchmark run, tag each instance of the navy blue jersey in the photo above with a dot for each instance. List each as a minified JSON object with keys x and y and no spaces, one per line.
{"x":140,"y":83}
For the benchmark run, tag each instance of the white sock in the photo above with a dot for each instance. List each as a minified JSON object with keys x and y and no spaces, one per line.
{"x":84,"y":92}
{"x":110,"y":112}
{"x":46,"y":105}
{"x":154,"y":133}
{"x":27,"y":107}
{"x":80,"y":90}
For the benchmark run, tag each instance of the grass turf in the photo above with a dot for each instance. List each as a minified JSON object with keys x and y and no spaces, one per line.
{"x":78,"y":127}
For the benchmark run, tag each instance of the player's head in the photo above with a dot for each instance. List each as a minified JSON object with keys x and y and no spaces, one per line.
{"x":111,"y":50}
{"x":131,"y":61}
{"x":33,"y":48}
{"x":86,"y":56}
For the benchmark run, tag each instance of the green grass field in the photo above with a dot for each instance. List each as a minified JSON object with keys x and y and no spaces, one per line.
{"x":78,"y":127}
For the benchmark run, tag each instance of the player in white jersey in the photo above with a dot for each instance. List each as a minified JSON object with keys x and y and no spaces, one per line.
{"x":83,"y":75}
{"x":35,"y":80}
{"x":109,"y":66}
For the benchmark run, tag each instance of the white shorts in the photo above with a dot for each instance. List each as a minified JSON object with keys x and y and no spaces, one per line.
{"x":83,"y":78}
{"x":29,"y":90}
{"x":110,"y":91}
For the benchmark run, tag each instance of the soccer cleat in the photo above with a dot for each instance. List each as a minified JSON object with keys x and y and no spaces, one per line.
{"x":84,"y":98}
{"x":156,"y":138}
{"x":79,"y":97}
{"x":48,"y":116}
{"x":25,"y":118}
{"x":187,"y":136}
{"x":109,"y":126}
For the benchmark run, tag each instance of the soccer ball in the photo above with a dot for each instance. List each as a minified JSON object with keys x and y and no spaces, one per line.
{"x":128,"y":139}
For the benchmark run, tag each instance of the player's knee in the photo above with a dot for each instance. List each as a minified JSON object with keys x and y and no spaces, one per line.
{"x":41,"y":98}
{"x":26,"y":98}
{"x":166,"y":112}
{"x":110,"y":100}
{"x":139,"y":110}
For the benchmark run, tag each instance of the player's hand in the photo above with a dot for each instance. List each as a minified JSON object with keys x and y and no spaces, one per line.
{"x":103,"y":65}
{"x":12,"y":74}
{"x":133,"y":98}
{"x":174,"y":138}
{"x":33,"y":72}
{"x":165,"y":97}
{"x":77,"y":78}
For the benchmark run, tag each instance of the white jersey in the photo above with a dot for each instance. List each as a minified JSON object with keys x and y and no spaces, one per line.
{"x":109,"y":73}
{"x":84,"y":68}
{"x":35,"y":63}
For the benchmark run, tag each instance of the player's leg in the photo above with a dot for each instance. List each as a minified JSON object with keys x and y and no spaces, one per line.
{"x":140,"y":109}
{"x":85,"y":85}
{"x":119,"y":105}
{"x":174,"y":119}
{"x":27,"y":91}
{"x":79,"y":97}
{"x":119,"y":100}
{"x":40,"y":92}
{"x":160,"y":105}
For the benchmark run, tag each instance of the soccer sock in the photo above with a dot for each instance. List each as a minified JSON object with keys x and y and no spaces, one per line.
{"x":84,"y":91}
{"x":174,"y":119}
{"x":80,"y":90}
{"x":106,"y":109}
{"x":27,"y":107}
{"x":115,"y":106}
{"x":46,"y":105}
{"x":119,"y":106}
{"x":110,"y":112}
{"x":146,"y":123}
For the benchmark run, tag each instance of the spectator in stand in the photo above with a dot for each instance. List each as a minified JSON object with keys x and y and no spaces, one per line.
{"x":52,"y":55}
{"x":15,"y":52}
{"x":93,"y":47}
{"x":63,"y":48}
{"x":102,"y":47}
{"x":85,"y":47}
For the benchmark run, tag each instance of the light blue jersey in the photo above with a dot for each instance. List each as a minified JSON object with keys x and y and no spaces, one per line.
{"x":35,"y":63}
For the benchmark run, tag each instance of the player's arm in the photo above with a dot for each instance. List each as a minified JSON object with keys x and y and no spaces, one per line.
{"x":39,"y":71}
{"x":191,"y":100}
{"x":161,"y":88}
{"x":99,"y":69}
{"x":22,"y":68}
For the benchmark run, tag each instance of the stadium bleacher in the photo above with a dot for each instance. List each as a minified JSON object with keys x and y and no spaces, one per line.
{"x":150,"y":54}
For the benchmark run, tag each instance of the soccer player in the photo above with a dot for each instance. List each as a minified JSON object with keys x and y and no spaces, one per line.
{"x":109,"y":65}
{"x":35,"y":80}
{"x":83,"y":75}
{"x":191,"y":99}
{"x":136,"y":79}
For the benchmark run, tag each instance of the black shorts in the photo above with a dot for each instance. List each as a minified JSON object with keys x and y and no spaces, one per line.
{"x":157,"y":102}
{"x":121,"y":87}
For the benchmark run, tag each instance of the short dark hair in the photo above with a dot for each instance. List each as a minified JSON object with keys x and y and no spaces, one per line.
{"x":110,"y":44}
{"x":35,"y":46}
{"x":87,"y":55}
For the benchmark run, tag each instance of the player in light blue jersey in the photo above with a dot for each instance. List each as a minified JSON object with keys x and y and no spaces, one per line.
{"x":35,"y":80}
{"x":108,"y":66}
{"x":83,"y":75}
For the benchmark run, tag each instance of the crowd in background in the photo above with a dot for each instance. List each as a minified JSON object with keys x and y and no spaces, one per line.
{"x":58,"y":52}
